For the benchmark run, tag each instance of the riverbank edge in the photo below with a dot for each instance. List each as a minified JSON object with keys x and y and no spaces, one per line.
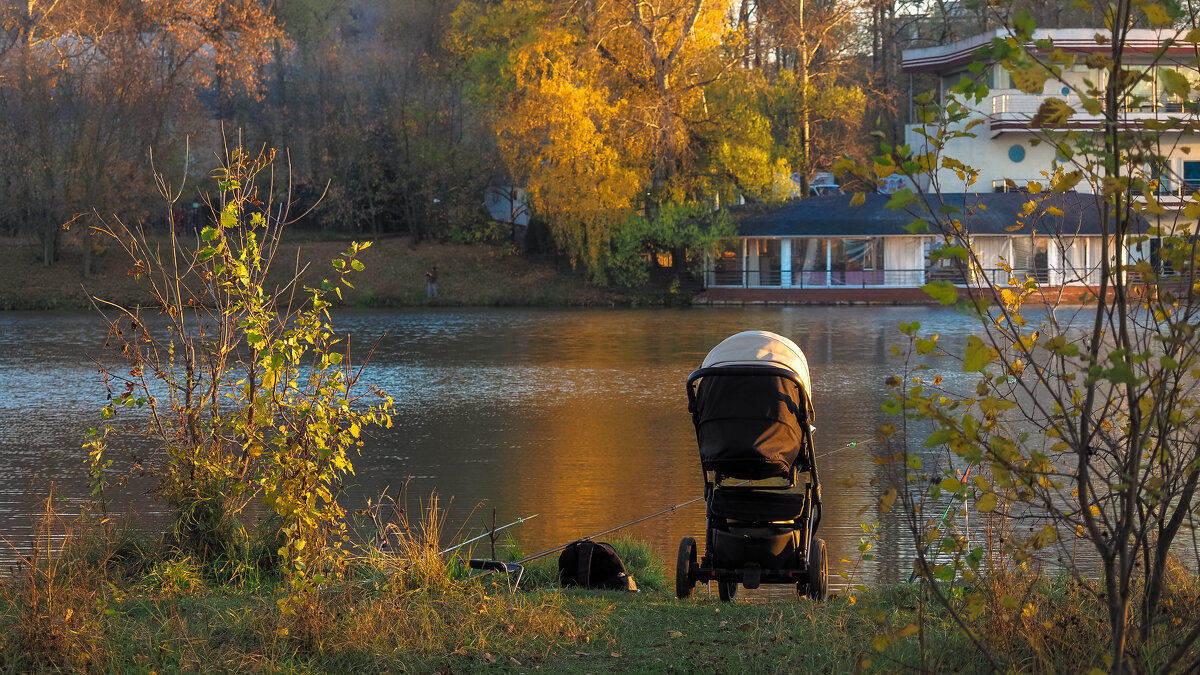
{"x":477,"y":275}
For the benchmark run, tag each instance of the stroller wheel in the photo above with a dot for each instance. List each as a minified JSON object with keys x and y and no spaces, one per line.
{"x":817,"y":587}
{"x":727,"y":590}
{"x":683,"y":568}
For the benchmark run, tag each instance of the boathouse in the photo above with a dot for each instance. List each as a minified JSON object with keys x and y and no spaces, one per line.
{"x":826,"y":249}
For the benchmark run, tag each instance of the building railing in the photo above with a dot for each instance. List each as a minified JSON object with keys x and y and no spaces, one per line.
{"x":1028,"y":104}
{"x":910,"y":278}
{"x":1168,"y":187}
{"x":914,"y":278}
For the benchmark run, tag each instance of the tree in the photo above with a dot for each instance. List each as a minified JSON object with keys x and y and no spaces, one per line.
{"x":811,"y":41}
{"x":374,"y":109}
{"x":1079,"y":423}
{"x":87,"y":87}
{"x":598,"y":106}
{"x":248,"y":395}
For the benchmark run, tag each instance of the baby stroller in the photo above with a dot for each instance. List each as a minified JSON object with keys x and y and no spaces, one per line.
{"x":751,"y":407}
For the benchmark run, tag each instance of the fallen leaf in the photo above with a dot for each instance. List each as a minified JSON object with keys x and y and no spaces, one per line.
{"x":512,"y":661}
{"x":675,"y":634}
{"x":746,"y":626}
{"x":616,"y":655}
{"x":487,"y":656}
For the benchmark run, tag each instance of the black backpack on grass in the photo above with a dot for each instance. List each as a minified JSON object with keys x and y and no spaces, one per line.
{"x":593,"y":564}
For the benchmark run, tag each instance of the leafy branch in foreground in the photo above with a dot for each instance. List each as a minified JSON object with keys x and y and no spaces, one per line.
{"x":1081,"y":419}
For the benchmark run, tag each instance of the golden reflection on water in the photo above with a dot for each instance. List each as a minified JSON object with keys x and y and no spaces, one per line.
{"x":579,"y":416}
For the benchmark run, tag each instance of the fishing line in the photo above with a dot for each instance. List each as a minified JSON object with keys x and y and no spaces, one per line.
{"x":669,"y":509}
{"x":845,"y":447}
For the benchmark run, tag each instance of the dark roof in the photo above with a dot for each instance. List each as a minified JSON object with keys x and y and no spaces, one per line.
{"x":981,"y":213}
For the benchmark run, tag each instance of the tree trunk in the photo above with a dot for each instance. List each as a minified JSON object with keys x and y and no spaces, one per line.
{"x":802,"y":65}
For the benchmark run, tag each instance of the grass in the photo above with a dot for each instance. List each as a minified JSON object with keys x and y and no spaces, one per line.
{"x":475,"y":276}
{"x":93,"y":598}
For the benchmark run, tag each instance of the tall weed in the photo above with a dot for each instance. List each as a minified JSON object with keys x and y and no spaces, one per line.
{"x":56,"y":599}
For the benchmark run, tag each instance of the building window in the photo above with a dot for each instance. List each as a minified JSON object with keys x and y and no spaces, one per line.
{"x":1191,"y":177}
{"x":765,"y":268}
{"x":857,"y":261}
{"x":727,"y":269}
{"x":1016,"y":153}
{"x":809,"y":261}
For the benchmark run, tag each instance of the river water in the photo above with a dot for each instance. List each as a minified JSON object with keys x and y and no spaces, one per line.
{"x":578,"y":416}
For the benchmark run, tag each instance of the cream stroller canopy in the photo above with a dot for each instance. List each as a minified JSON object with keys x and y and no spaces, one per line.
{"x":760,"y":348}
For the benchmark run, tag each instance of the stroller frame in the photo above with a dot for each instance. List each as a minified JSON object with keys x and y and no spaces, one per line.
{"x":758,"y":533}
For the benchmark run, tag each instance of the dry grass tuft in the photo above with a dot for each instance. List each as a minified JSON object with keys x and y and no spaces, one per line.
{"x":55,"y":601}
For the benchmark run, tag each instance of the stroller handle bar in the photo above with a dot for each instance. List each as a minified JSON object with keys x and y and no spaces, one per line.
{"x":778,"y":371}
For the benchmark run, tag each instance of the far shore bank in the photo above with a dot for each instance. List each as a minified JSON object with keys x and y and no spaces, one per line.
{"x":468,"y":276}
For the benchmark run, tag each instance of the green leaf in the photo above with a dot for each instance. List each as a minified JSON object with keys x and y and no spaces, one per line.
{"x":1157,"y":15}
{"x":986,"y":503}
{"x":926,"y":346}
{"x":1174,"y":83}
{"x":1024,"y":25}
{"x":949,"y":253}
{"x":1053,"y":113}
{"x":1121,"y":373}
{"x":1059,"y":345}
{"x":1031,"y":78}
{"x":918,"y":226}
{"x":357,"y":265}
{"x":977,"y":355}
{"x":942,"y":291}
{"x":209,"y":233}
{"x":939,"y":437}
{"x":900,"y":199}
{"x":205,"y":253}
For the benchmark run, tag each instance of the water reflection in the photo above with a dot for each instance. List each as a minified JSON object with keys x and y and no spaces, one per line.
{"x":580,"y":416}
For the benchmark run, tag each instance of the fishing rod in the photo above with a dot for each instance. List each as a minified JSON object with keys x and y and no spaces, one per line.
{"x":489,"y":533}
{"x":601,"y":533}
{"x":669,"y":509}
{"x":945,"y":515}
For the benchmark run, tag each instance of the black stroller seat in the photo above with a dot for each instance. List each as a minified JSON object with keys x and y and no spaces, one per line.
{"x":758,"y":506}
{"x":752,"y":409}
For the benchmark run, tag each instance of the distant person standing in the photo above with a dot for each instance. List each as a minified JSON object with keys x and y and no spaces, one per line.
{"x":431,"y":282}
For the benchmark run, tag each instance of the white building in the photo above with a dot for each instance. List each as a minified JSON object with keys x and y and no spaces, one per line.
{"x":824,"y":244}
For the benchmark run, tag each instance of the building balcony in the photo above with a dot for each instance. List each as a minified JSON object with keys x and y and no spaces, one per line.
{"x":1012,"y":113}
